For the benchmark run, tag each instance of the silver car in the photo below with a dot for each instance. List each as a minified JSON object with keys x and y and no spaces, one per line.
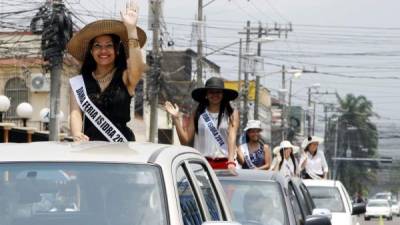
{"x":98,"y":183}
{"x":265,"y":198}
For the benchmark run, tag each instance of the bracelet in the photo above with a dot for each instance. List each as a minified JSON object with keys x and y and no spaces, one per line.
{"x":230,"y":162}
{"x":134,"y":42}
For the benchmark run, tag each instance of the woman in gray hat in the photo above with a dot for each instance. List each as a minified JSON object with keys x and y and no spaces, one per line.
{"x":213,"y":125}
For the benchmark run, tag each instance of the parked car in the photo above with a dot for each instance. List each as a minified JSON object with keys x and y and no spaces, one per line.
{"x":265,"y":198}
{"x":331,"y":194}
{"x":383,"y":195}
{"x":395,"y":207}
{"x":99,"y":183}
{"x":377,"y":208}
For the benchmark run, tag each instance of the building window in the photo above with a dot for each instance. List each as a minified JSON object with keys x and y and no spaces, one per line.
{"x":17,"y":91}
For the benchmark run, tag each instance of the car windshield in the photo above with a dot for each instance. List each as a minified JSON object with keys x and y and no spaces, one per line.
{"x":382,"y":196}
{"x":378,"y":204}
{"x":81,"y":194}
{"x":327,"y":198}
{"x":256,"y":202}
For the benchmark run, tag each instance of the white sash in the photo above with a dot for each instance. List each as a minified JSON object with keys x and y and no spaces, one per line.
{"x":99,"y":120}
{"x":210,"y":126}
{"x":287,"y":169}
{"x":245,"y":150}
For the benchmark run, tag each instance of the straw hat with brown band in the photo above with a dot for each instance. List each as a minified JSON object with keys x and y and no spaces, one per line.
{"x":79,"y":43}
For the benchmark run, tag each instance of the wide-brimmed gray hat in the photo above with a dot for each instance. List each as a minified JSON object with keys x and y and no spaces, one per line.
{"x":214,"y":83}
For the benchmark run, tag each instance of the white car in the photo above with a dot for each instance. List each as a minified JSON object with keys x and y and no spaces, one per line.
{"x":395,"y":208}
{"x":384,"y":195}
{"x":377,"y":208}
{"x":332,"y":195}
{"x":104,"y":183}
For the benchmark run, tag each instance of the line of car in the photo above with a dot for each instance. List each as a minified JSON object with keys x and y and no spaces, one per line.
{"x":384,"y":205}
{"x":143,"y":183}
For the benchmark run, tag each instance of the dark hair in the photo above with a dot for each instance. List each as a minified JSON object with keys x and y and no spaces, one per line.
{"x":291,"y":157}
{"x":224,"y":106}
{"x":89,"y":64}
{"x":306,"y":148}
{"x":260,"y":140}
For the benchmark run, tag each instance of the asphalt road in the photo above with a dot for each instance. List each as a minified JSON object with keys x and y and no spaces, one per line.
{"x":395,"y":221}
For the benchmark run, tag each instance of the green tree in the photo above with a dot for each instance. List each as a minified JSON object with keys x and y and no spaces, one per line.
{"x":357,"y":137}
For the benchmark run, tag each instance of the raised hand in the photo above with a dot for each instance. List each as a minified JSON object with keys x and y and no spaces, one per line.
{"x":130,"y":15}
{"x":172,"y":109}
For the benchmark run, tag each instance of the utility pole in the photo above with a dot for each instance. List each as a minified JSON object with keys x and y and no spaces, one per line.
{"x":199,"y":60}
{"x":155,"y":70}
{"x":314,"y":105}
{"x":283,"y":114}
{"x":260,"y":31}
{"x":257,"y":92}
{"x":245,"y":91}
{"x":57,"y":30}
{"x":308,"y":112}
{"x":240,"y":80}
{"x":289,"y":104}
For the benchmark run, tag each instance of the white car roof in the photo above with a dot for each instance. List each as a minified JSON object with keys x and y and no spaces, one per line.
{"x":132,"y":152}
{"x":322,"y":183}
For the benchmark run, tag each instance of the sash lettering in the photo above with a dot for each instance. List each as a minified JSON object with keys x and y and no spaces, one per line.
{"x":99,"y":120}
{"x":209,"y":123}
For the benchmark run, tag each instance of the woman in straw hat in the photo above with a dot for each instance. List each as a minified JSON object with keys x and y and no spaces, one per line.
{"x":213,"y":125}
{"x":313,"y":162}
{"x":112,"y":65}
{"x":253,"y":154}
{"x":288,"y":164}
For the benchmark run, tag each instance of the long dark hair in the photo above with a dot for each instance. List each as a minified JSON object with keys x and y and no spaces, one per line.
{"x":283,"y":158}
{"x":89,"y":64}
{"x":224,"y":106}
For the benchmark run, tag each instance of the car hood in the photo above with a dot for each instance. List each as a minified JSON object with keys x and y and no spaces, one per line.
{"x":341,"y":219}
{"x":377,"y":209}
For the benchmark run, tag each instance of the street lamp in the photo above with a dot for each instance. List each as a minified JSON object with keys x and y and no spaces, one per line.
{"x":45,"y":118}
{"x":4,"y":106}
{"x":24,"y":111}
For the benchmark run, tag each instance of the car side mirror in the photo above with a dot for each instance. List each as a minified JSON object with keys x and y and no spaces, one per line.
{"x":317,"y":220}
{"x":358,"y":208}
{"x":220,"y":223}
{"x":322,"y":212}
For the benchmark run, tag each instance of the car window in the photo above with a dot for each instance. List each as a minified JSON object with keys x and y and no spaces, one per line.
{"x":81,"y":193}
{"x":295,"y":205}
{"x":190,"y":210}
{"x":307,"y":198}
{"x":328,"y":198}
{"x":347,"y":197}
{"x":378,"y":204}
{"x":207,"y":189}
{"x":256,"y":202}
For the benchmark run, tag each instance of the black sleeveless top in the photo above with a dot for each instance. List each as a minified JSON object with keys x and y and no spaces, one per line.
{"x":114,"y":102}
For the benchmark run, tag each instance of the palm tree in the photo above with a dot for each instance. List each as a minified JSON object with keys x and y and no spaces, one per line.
{"x":357,"y":137}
